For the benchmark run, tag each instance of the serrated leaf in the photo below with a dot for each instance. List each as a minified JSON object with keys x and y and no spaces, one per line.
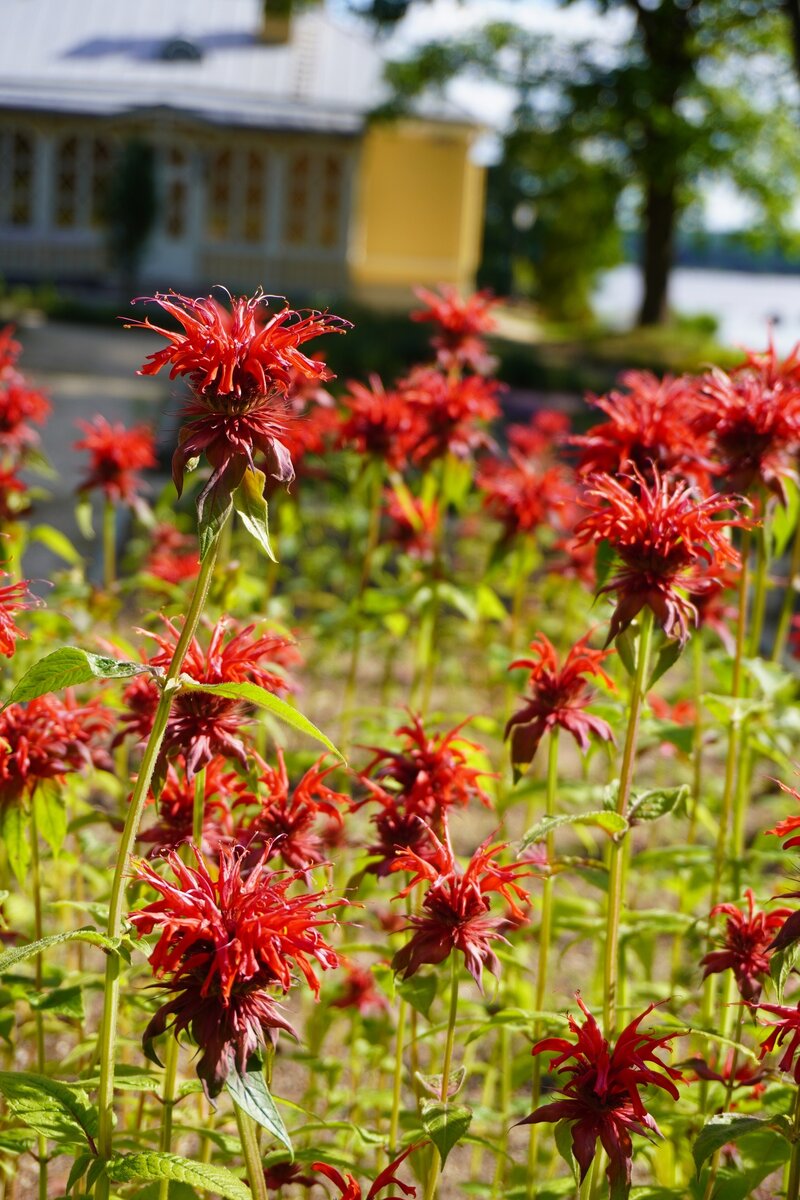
{"x":18,"y":954}
{"x":67,"y":667}
{"x":251,"y":1093}
{"x":445,"y":1124}
{"x":259,"y":696}
{"x":251,"y":505}
{"x":721,"y":1129}
{"x":433,"y":1083}
{"x":15,"y":835}
{"x":657,"y":802}
{"x":155,"y":1165}
{"x":420,"y":992}
{"x":51,"y":814}
{"x":611,"y":823}
{"x":54,"y":1110}
{"x":668,"y":655}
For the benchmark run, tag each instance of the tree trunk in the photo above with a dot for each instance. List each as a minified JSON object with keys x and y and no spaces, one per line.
{"x":658,"y":239}
{"x":792,"y":10}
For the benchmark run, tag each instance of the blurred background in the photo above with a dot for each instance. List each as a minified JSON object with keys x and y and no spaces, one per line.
{"x":625,"y":172}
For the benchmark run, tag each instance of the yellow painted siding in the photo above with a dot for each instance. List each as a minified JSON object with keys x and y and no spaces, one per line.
{"x":419,"y":210}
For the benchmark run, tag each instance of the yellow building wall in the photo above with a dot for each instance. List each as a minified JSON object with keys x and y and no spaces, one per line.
{"x":419,"y":210}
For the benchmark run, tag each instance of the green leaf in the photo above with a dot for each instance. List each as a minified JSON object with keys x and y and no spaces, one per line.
{"x":605,"y":558}
{"x":254,"y":694}
{"x":14,"y":833}
{"x":57,"y":542}
{"x":433,"y":1083}
{"x":79,"y":1167}
{"x":214,"y":507}
{"x":668,"y":655}
{"x":251,"y":1093}
{"x":420,"y":992}
{"x":153,"y":1165}
{"x":83,"y":517}
{"x":625,"y":644}
{"x":63,"y":1002}
{"x":18,"y":954}
{"x":51,"y":814}
{"x":562,"y":1135}
{"x":657,"y":802}
{"x":54,"y":1110}
{"x":610,"y":822}
{"x":251,"y":505}
{"x":721,"y":1129}
{"x":67,"y":667}
{"x":784,"y":519}
{"x":781,"y":964}
{"x":445,"y":1124}
{"x":732,"y":710}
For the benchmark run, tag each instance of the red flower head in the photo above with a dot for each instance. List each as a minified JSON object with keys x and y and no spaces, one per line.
{"x":785,"y":1029}
{"x":455,"y":910}
{"x":754,"y":425}
{"x":522,"y":494}
{"x":378,"y":423}
{"x":558,"y":698}
{"x":415,"y":522}
{"x":664,"y":536}
{"x":20,"y":404}
{"x":223,"y":942}
{"x":116,"y":455}
{"x":650,"y":425}
{"x":451,"y":411}
{"x":360,"y":992}
{"x":176,"y":810}
{"x":601,"y":1094}
{"x":350,"y":1189}
{"x":200,"y":725}
{"x":14,"y":598}
{"x":769,"y":368}
{"x":283,"y":1174}
{"x":746,"y":950}
{"x":538,"y":439}
{"x":288,"y":823}
{"x":240,"y":365}
{"x":10,"y":351}
{"x":173,"y":555}
{"x":48,"y":738}
{"x":460,"y":321}
{"x":787,"y":827}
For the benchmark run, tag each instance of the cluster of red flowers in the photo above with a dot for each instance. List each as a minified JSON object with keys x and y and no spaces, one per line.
{"x":416,"y":786}
{"x":22,"y":407}
{"x":749,"y":937}
{"x":116,"y":456}
{"x":48,"y":738}
{"x":202,"y":725}
{"x":459,"y":323}
{"x":226,"y":943}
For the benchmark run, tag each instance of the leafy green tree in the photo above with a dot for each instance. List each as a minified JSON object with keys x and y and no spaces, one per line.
{"x":696,"y":91}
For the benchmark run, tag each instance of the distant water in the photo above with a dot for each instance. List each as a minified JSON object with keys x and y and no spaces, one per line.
{"x":743,"y":303}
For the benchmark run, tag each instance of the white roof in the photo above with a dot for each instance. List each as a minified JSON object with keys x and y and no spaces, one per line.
{"x":103,"y":57}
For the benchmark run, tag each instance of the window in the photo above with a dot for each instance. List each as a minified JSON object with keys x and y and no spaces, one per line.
{"x":236,"y":196}
{"x":314,"y":200}
{"x":81,"y":174}
{"x":66,"y":183}
{"x":177,"y":192}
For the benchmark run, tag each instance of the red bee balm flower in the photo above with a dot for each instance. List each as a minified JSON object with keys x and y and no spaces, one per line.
{"x":116,"y":454}
{"x":48,"y":738}
{"x":350,"y":1189}
{"x":786,"y":1028}
{"x":748,"y":937}
{"x":664,"y":536}
{"x":451,"y":412}
{"x":455,"y":910}
{"x":241,"y":365}
{"x":558,"y":698}
{"x":459,"y":321}
{"x":524,"y":495}
{"x":601,"y":1095}
{"x":14,"y":598}
{"x":378,"y":423}
{"x":223,"y":942}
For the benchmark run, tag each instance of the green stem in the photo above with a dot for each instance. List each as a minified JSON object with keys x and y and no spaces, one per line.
{"x":697,"y":740}
{"x":793,"y":1184}
{"x":38,"y":933}
{"x":435,"y":1167}
{"x":375,"y":492}
{"x":759,"y":590}
{"x":787,"y":606}
{"x":397,"y":1087}
{"x":108,"y":1030}
{"x":545,"y":930}
{"x":109,"y":544}
{"x":616,"y":873}
{"x":199,"y":808}
{"x":248,"y":1136}
{"x":168,"y":1105}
